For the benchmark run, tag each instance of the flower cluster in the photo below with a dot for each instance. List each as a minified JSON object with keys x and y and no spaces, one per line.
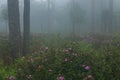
{"x":60,"y":78}
{"x":11,"y":78}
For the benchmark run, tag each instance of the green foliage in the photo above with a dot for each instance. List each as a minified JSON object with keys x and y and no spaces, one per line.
{"x":5,"y":57}
{"x":53,"y":57}
{"x":6,"y":72}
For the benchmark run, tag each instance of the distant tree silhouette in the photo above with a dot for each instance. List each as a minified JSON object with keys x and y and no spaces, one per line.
{"x":93,"y":16}
{"x":26,"y":22}
{"x":110,"y":16}
{"x":14,"y":27}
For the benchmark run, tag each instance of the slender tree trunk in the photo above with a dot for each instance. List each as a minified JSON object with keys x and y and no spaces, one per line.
{"x":110,"y":16}
{"x":14,"y":27}
{"x":26,"y":33}
{"x":73,"y":31}
{"x":93,"y":16}
{"x":49,"y":15}
{"x":102,"y":22}
{"x":73,"y":2}
{"x":6,"y":23}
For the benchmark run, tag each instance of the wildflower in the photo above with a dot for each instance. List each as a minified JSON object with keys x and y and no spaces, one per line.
{"x":46,"y":48}
{"x":66,"y":51}
{"x":50,"y":70}
{"x":32,"y":60}
{"x":29,"y":77}
{"x":40,"y":67}
{"x":69,"y":49}
{"x":23,"y":57}
{"x":11,"y":78}
{"x":66,"y":59}
{"x":74,"y":54}
{"x":89,"y":76}
{"x":60,"y":78}
{"x":87,"y":68}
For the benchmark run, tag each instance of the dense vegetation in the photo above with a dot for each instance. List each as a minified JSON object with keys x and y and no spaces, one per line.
{"x":52,"y":57}
{"x":62,"y":50}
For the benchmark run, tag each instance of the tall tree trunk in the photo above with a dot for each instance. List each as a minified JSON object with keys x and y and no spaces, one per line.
{"x":93,"y":16}
{"x":14,"y":27}
{"x":73,"y":31}
{"x":6,"y":25}
{"x":102,"y":22}
{"x":26,"y":33}
{"x":49,"y":15}
{"x":73,"y":2}
{"x":110,"y":16}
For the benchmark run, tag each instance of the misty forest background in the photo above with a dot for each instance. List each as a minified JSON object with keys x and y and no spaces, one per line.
{"x":59,"y":39}
{"x":61,"y":19}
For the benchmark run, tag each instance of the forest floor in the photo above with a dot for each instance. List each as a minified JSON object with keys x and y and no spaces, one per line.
{"x":54,"y":57}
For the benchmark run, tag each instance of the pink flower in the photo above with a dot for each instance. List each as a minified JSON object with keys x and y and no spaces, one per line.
{"x":87,"y":68}
{"x":46,"y":48}
{"x":11,"y":78}
{"x":74,"y":54}
{"x":66,"y":51}
{"x":60,"y":78}
{"x":66,"y":59}
{"x":89,"y":76}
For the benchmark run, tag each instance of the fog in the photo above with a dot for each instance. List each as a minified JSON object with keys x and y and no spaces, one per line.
{"x":59,"y":39}
{"x":60,"y":19}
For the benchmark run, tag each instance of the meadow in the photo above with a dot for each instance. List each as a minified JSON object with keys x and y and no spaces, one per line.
{"x":56,"y":57}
